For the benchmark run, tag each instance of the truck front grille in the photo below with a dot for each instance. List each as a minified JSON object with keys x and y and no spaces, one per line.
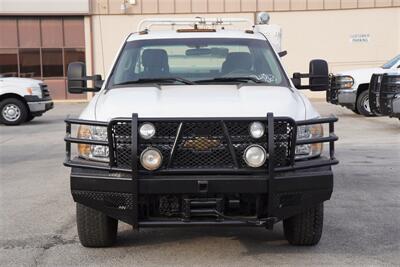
{"x":45,"y":90}
{"x":383,"y":89}
{"x":202,"y":144}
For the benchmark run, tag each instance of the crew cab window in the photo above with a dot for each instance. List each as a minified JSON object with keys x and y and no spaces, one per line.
{"x":198,"y":59}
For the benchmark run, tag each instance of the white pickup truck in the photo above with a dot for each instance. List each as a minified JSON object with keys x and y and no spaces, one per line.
{"x":350,"y":88}
{"x":199,"y":126}
{"x":22,"y":99}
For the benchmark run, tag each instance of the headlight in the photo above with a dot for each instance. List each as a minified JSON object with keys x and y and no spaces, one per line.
{"x":255,"y":156}
{"x":307,"y":132}
{"x":151,"y":159}
{"x":34,"y":91}
{"x":257,"y":129}
{"x":93,"y":152}
{"x":344,"y":82}
{"x":147,"y":130}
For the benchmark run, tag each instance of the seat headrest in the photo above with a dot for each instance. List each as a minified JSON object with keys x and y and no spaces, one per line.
{"x":237,"y":60}
{"x":155,"y":58}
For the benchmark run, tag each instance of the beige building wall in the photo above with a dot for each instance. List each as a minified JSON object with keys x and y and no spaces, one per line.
{"x":306,"y":35}
{"x":328,"y":35}
{"x":229,"y":6}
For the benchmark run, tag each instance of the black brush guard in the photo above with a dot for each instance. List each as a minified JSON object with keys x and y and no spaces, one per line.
{"x":384,"y":94}
{"x":124,"y":205}
{"x":332,"y":92}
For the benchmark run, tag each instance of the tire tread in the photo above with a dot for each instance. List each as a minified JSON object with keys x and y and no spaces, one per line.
{"x":305,"y":229}
{"x":95,"y":229}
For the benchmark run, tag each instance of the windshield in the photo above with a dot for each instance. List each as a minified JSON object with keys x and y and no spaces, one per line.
{"x":198,"y":60}
{"x":390,"y":63}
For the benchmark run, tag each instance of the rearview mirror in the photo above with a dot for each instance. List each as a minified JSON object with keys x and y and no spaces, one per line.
{"x":198,"y":52}
{"x":318,"y":76}
{"x":215,"y":52}
{"x":77,"y":79}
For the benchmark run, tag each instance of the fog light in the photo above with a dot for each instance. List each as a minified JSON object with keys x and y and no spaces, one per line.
{"x":257,"y":129}
{"x":147,"y":130}
{"x":255,"y":156}
{"x":151,"y":159}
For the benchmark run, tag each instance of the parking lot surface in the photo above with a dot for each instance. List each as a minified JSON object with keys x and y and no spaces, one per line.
{"x":362,"y":220}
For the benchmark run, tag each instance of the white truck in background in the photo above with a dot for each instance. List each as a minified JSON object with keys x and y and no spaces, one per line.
{"x":22,"y":99}
{"x":350,"y":88}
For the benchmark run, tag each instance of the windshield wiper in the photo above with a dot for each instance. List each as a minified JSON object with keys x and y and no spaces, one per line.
{"x":157,"y":80}
{"x":231,"y":79}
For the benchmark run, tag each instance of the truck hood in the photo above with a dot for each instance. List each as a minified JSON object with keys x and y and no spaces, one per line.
{"x":199,"y":101}
{"x":21,"y":81}
{"x":362,"y":75}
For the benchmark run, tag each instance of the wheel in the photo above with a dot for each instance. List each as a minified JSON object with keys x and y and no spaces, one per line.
{"x":355,"y":111}
{"x":13,"y":111}
{"x":95,"y":229}
{"x":363,"y":104}
{"x":305,"y":229}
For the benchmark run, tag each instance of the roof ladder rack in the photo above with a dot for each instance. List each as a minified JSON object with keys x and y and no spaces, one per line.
{"x":213,"y":22}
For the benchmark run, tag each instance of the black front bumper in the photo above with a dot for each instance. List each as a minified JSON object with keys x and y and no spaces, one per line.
{"x":112,"y":193}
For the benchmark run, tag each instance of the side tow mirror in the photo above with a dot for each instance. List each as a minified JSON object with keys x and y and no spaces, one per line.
{"x":77,"y":79}
{"x":318,"y":76}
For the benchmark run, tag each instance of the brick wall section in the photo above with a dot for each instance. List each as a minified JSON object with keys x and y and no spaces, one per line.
{"x":231,"y":6}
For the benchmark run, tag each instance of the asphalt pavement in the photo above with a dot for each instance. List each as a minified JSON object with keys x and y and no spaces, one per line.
{"x":362,"y":220}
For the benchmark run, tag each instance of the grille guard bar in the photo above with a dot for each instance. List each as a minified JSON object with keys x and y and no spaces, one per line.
{"x":295,"y":165}
{"x":272,"y":169}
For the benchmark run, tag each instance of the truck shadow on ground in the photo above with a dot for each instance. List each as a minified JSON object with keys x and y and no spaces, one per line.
{"x":255,"y":241}
{"x":250,"y":237}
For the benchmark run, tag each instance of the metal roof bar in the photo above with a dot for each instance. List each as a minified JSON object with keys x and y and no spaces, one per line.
{"x":190,"y":22}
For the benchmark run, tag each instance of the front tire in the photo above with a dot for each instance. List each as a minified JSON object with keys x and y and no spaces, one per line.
{"x":95,"y":229}
{"x":305,"y":229}
{"x":363,"y":104}
{"x":13,"y":111}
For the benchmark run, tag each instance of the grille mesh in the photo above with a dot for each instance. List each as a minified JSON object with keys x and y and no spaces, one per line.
{"x":122,"y":201}
{"x":202,"y":144}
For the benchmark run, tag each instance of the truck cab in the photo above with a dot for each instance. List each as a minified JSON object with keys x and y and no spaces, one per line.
{"x":199,"y":125}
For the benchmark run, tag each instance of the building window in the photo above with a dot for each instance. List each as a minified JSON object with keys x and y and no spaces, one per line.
{"x":8,"y":62}
{"x":28,"y":32}
{"x":29,"y":62}
{"x":73,"y":55}
{"x":8,"y":33}
{"x":52,"y":62}
{"x":52,"y":32}
{"x":40,"y":47}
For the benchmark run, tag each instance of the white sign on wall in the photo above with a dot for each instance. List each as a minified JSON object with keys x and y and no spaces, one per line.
{"x":359,"y":38}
